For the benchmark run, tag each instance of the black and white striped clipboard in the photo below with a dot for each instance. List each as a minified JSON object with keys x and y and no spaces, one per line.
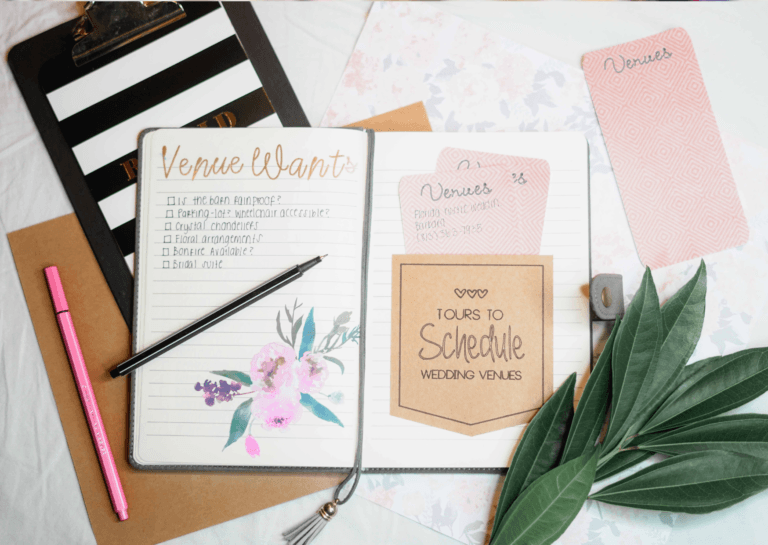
{"x":213,"y":68}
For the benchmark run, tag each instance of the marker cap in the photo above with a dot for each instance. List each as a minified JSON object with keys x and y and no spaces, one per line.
{"x":56,"y":289}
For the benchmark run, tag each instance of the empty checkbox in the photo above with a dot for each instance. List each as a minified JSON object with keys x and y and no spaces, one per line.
{"x":171,"y":201}
{"x":169,"y":213}
{"x":165,"y":251}
{"x":168,"y":226}
{"x":165,"y":264}
{"x":167,"y":238}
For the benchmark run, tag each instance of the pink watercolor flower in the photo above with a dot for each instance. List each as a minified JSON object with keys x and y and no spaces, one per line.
{"x":313,"y":372}
{"x":278,"y":411}
{"x":272,"y":369}
{"x":252,"y":447}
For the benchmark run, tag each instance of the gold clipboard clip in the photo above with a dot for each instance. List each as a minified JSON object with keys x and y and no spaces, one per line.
{"x":107,"y":26}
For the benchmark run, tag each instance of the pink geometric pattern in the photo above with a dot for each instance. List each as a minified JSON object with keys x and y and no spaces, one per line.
{"x":531,"y":202}
{"x":476,"y":211}
{"x":665,"y":149}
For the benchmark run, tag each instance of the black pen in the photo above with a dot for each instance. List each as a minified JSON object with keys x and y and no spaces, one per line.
{"x":136,"y":361}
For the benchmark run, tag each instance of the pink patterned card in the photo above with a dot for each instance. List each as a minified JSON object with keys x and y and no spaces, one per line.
{"x":531,"y":174}
{"x":665,"y":148}
{"x":476,"y":211}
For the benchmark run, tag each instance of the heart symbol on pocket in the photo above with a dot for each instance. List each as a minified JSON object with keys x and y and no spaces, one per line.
{"x":472,"y":293}
{"x":482,"y":293}
{"x":459,"y":293}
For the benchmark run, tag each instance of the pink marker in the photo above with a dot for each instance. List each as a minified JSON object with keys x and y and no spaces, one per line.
{"x":85,"y":389}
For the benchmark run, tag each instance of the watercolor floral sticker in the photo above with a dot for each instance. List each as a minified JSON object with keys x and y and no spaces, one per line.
{"x":282,"y":382}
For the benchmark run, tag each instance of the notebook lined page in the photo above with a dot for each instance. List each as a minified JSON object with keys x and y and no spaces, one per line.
{"x":391,"y":442}
{"x":209,"y":235}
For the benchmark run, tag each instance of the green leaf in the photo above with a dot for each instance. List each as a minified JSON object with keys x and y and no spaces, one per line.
{"x":342,"y":318}
{"x":689,"y":371}
{"x":539,"y":449}
{"x":288,"y":313}
{"x":740,"y":433}
{"x":549,"y":506}
{"x":280,"y":329}
{"x":237,"y":376}
{"x":620,"y":462}
{"x":239,"y":422}
{"x":682,"y":318}
{"x":593,"y":405}
{"x":295,"y":330}
{"x":635,"y":353}
{"x":320,"y":411}
{"x":719,"y":385}
{"x":699,"y":482}
{"x":308,"y":335}
{"x":336,"y":361}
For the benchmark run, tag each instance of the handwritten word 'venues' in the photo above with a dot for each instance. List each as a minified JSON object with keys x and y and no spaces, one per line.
{"x":633,"y":63}
{"x":448,"y":193}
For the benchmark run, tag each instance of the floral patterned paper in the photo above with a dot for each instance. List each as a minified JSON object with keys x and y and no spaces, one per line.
{"x":472,"y":80}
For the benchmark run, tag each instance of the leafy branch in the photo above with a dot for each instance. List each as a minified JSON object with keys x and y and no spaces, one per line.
{"x":339,"y":335}
{"x":295,"y":324}
{"x":657,"y":404}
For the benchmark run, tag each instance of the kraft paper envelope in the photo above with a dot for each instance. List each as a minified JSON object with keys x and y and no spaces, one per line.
{"x":162,"y":505}
{"x":412,"y":118}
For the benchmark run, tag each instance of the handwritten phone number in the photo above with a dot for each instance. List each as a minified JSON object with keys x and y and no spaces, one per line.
{"x":442,"y":234}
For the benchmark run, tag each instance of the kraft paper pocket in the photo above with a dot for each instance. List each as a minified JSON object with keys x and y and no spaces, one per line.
{"x":471,"y":340}
{"x":665,"y":148}
{"x":477,"y":211}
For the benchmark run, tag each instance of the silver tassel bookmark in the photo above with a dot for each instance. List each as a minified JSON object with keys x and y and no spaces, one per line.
{"x":307,"y":531}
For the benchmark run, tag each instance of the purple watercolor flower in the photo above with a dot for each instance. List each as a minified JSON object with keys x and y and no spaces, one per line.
{"x":279,"y":410}
{"x":252,"y":447}
{"x":272,"y":369}
{"x":217,"y":392}
{"x":313,"y":372}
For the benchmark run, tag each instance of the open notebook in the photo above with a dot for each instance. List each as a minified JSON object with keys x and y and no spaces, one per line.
{"x":209,"y":231}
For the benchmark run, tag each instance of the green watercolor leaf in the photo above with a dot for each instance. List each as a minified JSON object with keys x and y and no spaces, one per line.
{"x":635,"y":353}
{"x":620,"y":462}
{"x":699,"y":482}
{"x":336,"y":361}
{"x":239,"y":422}
{"x":739,"y":433}
{"x":295,"y":331}
{"x":237,"y":376}
{"x":308,"y":335}
{"x":593,"y":405}
{"x":342,"y":318}
{"x":682,"y":318}
{"x":280,"y":329}
{"x":540,"y":448}
{"x":549,"y":505}
{"x":320,"y":411}
{"x":718,"y":385}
